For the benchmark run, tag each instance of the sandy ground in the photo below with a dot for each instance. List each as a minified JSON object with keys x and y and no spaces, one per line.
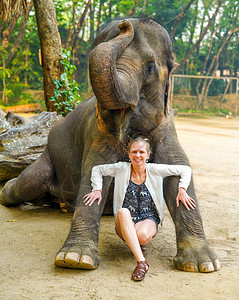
{"x":30,"y":238}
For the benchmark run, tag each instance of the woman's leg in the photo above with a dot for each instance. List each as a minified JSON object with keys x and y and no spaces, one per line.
{"x":126,"y":230}
{"x":145,"y":231}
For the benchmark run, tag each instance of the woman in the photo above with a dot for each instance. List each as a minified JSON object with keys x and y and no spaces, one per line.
{"x":138,"y":198}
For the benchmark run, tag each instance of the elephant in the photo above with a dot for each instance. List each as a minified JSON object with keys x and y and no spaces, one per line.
{"x":129,"y":67}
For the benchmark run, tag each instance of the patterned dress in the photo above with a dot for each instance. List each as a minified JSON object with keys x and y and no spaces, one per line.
{"x":140,"y":203}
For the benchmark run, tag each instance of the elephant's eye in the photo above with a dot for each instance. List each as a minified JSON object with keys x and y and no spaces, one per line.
{"x":151,"y":67}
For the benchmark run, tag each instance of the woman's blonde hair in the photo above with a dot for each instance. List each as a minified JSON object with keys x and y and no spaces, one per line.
{"x":138,"y":140}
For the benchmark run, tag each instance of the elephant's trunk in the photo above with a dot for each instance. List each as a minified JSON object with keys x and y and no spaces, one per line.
{"x":111,"y":90}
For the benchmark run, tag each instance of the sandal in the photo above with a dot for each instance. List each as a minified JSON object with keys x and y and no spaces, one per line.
{"x":144,"y":250}
{"x":140,"y":271}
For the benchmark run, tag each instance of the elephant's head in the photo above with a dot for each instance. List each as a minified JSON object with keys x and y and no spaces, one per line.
{"x":129,"y":70}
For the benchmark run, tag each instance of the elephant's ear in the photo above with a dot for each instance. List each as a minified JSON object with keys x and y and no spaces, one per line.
{"x":166,"y":101}
{"x":170,"y":64}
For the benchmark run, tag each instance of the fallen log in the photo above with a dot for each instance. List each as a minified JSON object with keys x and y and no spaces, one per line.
{"x":21,"y":146}
{"x":33,"y":107}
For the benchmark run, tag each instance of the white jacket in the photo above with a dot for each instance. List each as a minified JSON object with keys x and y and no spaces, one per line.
{"x":155,"y":173}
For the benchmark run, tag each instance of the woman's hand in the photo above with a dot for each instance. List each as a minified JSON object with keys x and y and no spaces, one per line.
{"x":184,"y":197}
{"x":90,"y":198}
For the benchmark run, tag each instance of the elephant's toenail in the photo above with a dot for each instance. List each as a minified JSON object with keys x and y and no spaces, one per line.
{"x":86,"y":259}
{"x":190,"y":267}
{"x":86,"y":262}
{"x":60,"y":256}
{"x":217,"y":264}
{"x":59,"y":261}
{"x":72,"y":257}
{"x":206,"y":267}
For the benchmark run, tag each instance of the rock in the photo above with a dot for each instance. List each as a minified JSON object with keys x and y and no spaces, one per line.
{"x":4,"y":125}
{"x":22,"y":145}
{"x":15,"y":120}
{"x":2,"y":114}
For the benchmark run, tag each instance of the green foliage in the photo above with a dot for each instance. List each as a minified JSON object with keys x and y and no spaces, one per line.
{"x":25,"y":69}
{"x":217,"y":87}
{"x":17,"y":76}
{"x":206,"y":112}
{"x":16,"y":95}
{"x":24,"y":66}
{"x":66,"y":94}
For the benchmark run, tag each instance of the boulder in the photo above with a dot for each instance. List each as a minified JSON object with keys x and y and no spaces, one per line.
{"x":4,"y":125}
{"x":22,"y":142}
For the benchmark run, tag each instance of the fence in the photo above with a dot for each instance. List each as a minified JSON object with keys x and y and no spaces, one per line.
{"x":218,"y":97}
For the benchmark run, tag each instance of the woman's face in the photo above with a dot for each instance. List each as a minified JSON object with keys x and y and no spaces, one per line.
{"x":138,"y":153}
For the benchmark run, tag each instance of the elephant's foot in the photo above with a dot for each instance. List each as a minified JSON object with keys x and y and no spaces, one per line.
{"x":194,"y":255}
{"x":6,"y":195}
{"x":77,"y":258}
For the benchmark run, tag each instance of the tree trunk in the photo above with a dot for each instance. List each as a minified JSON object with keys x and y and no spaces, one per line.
{"x":50,"y":47}
{"x":80,"y":24}
{"x":26,"y":63}
{"x":132,"y":11}
{"x":200,"y":95}
{"x":72,"y":27}
{"x":99,"y":16}
{"x":144,"y":5}
{"x":215,"y":64}
{"x":201,"y":28}
{"x":224,"y":95}
{"x":194,"y":23}
{"x":179,"y":17}
{"x":92,"y":21}
{"x":110,"y":11}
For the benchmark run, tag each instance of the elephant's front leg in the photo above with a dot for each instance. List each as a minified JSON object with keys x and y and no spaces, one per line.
{"x":193,"y":252}
{"x":80,"y":249}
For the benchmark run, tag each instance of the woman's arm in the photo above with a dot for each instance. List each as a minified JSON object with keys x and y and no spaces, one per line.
{"x":185,"y":174}
{"x":99,"y":171}
{"x":97,"y":174}
{"x":183,"y":171}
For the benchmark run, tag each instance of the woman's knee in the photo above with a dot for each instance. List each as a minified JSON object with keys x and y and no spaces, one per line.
{"x":144,"y":236}
{"x":123,"y":214}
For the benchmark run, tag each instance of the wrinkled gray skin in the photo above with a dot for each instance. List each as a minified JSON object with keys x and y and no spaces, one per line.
{"x":129,"y":70}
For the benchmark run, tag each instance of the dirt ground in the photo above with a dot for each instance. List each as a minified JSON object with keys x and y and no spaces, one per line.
{"x":30,"y":238}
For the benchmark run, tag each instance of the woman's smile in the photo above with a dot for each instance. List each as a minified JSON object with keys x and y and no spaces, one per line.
{"x":138,"y":153}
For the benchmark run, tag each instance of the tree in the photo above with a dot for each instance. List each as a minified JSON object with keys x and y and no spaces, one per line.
{"x":9,"y":30}
{"x":179,"y":17}
{"x":201,"y":37}
{"x":191,"y":25}
{"x":8,"y":50}
{"x":224,"y":31}
{"x":50,"y":41}
{"x":50,"y":47}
